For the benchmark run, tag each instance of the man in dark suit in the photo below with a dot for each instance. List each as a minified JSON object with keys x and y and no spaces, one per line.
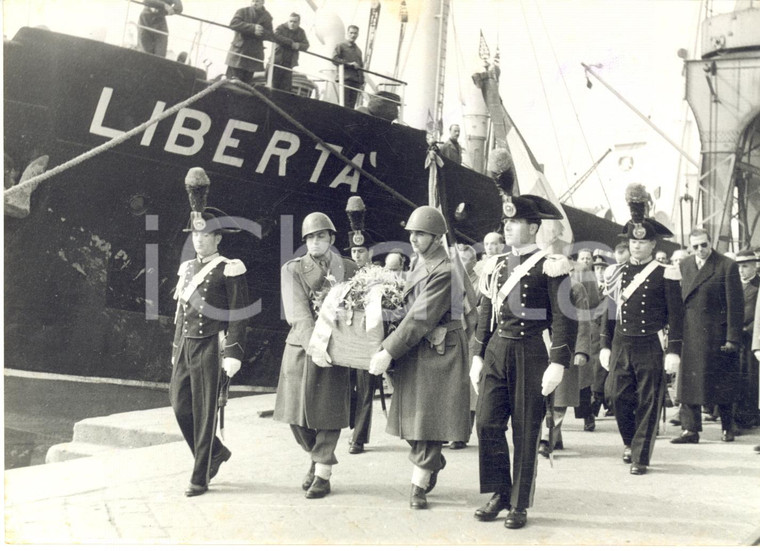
{"x":747,"y":413}
{"x":713,"y":314}
{"x":313,"y":400}
{"x":252,"y":25}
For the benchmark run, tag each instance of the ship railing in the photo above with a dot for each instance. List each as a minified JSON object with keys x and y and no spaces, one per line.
{"x":326,"y":84}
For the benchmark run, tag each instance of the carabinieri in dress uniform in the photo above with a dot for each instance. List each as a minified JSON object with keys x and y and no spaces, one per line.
{"x":646,"y":296}
{"x":523,"y":295}
{"x":212,"y":296}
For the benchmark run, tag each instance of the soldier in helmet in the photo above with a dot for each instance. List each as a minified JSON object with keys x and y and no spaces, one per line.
{"x":430,"y":399}
{"x":313,"y":400}
{"x":646,"y":297}
{"x":522,"y":297}
{"x":212,"y":296}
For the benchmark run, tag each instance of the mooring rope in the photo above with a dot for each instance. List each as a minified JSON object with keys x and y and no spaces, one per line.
{"x":110,"y":144}
{"x":321,"y":142}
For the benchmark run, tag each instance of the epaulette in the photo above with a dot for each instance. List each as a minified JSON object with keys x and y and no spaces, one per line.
{"x":557,"y":265}
{"x":183,"y":267}
{"x":672,"y":271}
{"x":489,"y":265}
{"x":234,"y":267}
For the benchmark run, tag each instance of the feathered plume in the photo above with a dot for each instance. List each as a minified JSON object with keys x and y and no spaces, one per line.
{"x":355,"y":210}
{"x":197,"y":186}
{"x":638,"y":200}
{"x":501,"y":165}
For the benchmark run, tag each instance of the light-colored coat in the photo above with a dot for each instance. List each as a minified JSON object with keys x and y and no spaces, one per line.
{"x":309,"y":395}
{"x":713,"y":314}
{"x":431,"y":394}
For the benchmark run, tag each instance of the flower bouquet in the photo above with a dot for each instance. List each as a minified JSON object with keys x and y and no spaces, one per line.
{"x":350,"y":325}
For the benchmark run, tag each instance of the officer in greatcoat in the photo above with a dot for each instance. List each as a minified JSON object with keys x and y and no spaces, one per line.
{"x":525,"y":292}
{"x":646,"y":297}
{"x":712,"y":333}
{"x":429,"y":348}
{"x":314,"y":400}
{"x":211,"y":320}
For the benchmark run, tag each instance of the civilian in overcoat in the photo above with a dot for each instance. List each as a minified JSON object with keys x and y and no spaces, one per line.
{"x":712,"y":332}
{"x":252,"y":25}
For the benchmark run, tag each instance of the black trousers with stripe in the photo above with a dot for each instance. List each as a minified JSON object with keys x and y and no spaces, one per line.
{"x":194,"y":394}
{"x":636,"y":368}
{"x":510,"y":388}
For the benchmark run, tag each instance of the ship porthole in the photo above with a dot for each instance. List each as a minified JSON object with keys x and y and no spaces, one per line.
{"x":138,"y":204}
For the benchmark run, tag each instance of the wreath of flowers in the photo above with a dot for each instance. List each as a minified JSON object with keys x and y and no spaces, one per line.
{"x":357,"y":294}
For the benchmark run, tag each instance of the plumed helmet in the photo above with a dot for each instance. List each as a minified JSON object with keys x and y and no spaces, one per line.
{"x":314,"y":222}
{"x":428,"y":219}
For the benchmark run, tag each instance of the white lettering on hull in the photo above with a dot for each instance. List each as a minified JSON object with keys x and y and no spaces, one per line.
{"x":187,"y":137}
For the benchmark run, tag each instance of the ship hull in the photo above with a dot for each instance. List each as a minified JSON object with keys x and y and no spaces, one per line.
{"x":90,"y":272}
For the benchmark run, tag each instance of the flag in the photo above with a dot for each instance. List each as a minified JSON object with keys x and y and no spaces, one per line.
{"x":374,"y":17}
{"x":530,"y":178}
{"x":483,"y":51}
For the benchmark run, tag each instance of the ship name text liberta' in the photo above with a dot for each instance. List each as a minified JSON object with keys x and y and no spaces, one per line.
{"x":190,"y":132}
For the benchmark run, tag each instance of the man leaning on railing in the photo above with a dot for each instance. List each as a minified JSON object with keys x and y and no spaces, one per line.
{"x":153,"y":33}
{"x":290,"y":38}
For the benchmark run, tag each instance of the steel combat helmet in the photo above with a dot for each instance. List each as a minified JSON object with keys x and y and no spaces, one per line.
{"x":427,"y":219}
{"x":314,"y":222}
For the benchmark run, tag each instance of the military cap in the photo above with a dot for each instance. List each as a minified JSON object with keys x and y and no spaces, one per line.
{"x":640,"y":226}
{"x":211,"y":220}
{"x":529,"y":207}
{"x":358,"y":236}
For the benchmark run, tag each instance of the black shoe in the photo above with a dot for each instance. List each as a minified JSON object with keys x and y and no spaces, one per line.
{"x":627,"y":454}
{"x":308,"y":480}
{"x":543,"y":449}
{"x":675,"y":422}
{"x":711,"y":417}
{"x":727,"y":436}
{"x":195,"y":490}
{"x":687,"y":437}
{"x":589,"y":424}
{"x":516,"y":518}
{"x":558,"y":445}
{"x":458,"y":445}
{"x":434,"y":476}
{"x":319,"y":488}
{"x":757,"y":448}
{"x":638,"y":468}
{"x":355,"y":448}
{"x":418,"y":500}
{"x":217,"y":460}
{"x":489,"y":511}
{"x":609,"y":413}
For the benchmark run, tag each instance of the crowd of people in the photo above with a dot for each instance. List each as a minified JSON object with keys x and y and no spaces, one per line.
{"x":508,"y":342}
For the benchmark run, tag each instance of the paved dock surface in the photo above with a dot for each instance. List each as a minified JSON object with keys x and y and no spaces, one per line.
{"x":705,"y":494}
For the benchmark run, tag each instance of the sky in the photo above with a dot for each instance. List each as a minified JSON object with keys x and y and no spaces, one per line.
{"x":632,"y":44}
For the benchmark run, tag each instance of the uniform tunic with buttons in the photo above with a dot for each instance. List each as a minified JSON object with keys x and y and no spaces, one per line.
{"x":217,"y":305}
{"x":630,"y":328}
{"x":514,"y":360}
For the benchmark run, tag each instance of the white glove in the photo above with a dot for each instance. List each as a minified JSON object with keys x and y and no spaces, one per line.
{"x":552,"y":377}
{"x":475,"y":368}
{"x":380,"y":362}
{"x":672,"y":363}
{"x":230,"y":366}
{"x":604,"y":358}
{"x":579,"y":360}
